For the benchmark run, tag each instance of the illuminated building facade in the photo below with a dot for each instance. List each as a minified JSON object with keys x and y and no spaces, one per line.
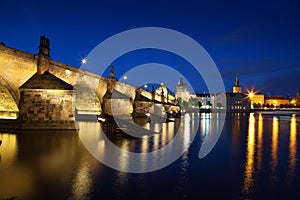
{"x":182,"y":91}
{"x":276,"y":101}
{"x":257,"y":99}
{"x":236,"y":100}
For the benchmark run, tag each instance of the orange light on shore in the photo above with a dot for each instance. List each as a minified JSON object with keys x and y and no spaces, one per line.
{"x":251,"y":95}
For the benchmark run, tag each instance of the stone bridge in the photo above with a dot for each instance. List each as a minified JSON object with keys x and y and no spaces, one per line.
{"x":17,"y":68}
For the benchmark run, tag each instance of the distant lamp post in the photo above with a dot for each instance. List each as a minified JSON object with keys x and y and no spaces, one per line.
{"x":83,"y":61}
{"x":125,"y":79}
{"x":251,"y":95}
{"x":293,"y":102}
{"x":145,"y":86}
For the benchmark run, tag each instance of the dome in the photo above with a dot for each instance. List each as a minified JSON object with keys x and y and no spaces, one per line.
{"x":162,"y":88}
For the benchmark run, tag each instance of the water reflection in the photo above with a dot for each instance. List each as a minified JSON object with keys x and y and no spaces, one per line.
{"x":82,"y":183}
{"x":293,"y":149}
{"x":9,"y":147}
{"x":33,"y":161}
{"x":260,"y":142}
{"x":152,"y":149}
{"x":205,"y":125}
{"x":249,"y":166}
{"x":274,"y":149}
{"x":55,"y":165}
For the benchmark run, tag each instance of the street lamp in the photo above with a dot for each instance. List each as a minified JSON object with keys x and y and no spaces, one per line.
{"x":251,"y":95}
{"x":293,"y":102}
{"x":125,"y":78}
{"x":83,"y":61}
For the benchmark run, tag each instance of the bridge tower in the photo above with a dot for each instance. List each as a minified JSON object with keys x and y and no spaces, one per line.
{"x":44,"y":55}
{"x":237,"y":88}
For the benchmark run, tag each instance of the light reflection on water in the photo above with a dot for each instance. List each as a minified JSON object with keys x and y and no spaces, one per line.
{"x":274,"y":149}
{"x":260,"y":142}
{"x":10,"y":147}
{"x":92,"y":135}
{"x":292,"y":150}
{"x":249,"y":166}
{"x":55,"y":165}
{"x":82,"y":183}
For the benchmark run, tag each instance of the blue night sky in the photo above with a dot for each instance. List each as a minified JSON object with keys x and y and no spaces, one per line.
{"x":258,"y":40}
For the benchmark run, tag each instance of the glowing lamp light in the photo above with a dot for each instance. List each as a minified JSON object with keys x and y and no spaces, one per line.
{"x":101,"y":119}
{"x":251,"y":95}
{"x":125,"y":78}
{"x":83,"y":61}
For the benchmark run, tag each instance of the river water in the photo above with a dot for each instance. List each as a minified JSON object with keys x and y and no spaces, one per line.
{"x":255,"y":157}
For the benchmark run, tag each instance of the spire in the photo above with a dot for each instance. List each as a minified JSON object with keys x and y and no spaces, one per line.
{"x":44,"y":48}
{"x":237,"y":81}
{"x":237,"y":88}
{"x":181,"y":82}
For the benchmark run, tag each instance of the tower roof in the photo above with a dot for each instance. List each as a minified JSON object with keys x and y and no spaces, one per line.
{"x":237,"y":81}
{"x":115,"y":95}
{"x":46,"y":81}
{"x":181,"y":81}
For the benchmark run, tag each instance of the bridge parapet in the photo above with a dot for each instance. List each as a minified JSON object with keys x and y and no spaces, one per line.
{"x":17,"y":67}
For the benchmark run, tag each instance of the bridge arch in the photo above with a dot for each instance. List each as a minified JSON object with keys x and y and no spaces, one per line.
{"x":9,"y":99}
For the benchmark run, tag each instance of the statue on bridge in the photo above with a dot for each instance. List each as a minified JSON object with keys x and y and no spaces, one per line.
{"x":153,"y":93}
{"x":44,"y":45}
{"x":112,"y":72}
{"x":162,"y":95}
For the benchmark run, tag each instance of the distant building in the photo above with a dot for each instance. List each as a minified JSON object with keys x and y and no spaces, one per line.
{"x":165,"y":96}
{"x":205,"y":99}
{"x":276,"y":101}
{"x":258,"y":99}
{"x":237,"y":88}
{"x":182,"y":91}
{"x":297,"y":99}
{"x":162,"y":90}
{"x":236,"y":100}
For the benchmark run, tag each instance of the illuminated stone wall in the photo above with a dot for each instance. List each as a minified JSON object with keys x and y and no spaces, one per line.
{"x":17,"y":66}
{"x":46,"y":106}
{"x":86,"y":100}
{"x":117,"y":107}
{"x":141,"y":108}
